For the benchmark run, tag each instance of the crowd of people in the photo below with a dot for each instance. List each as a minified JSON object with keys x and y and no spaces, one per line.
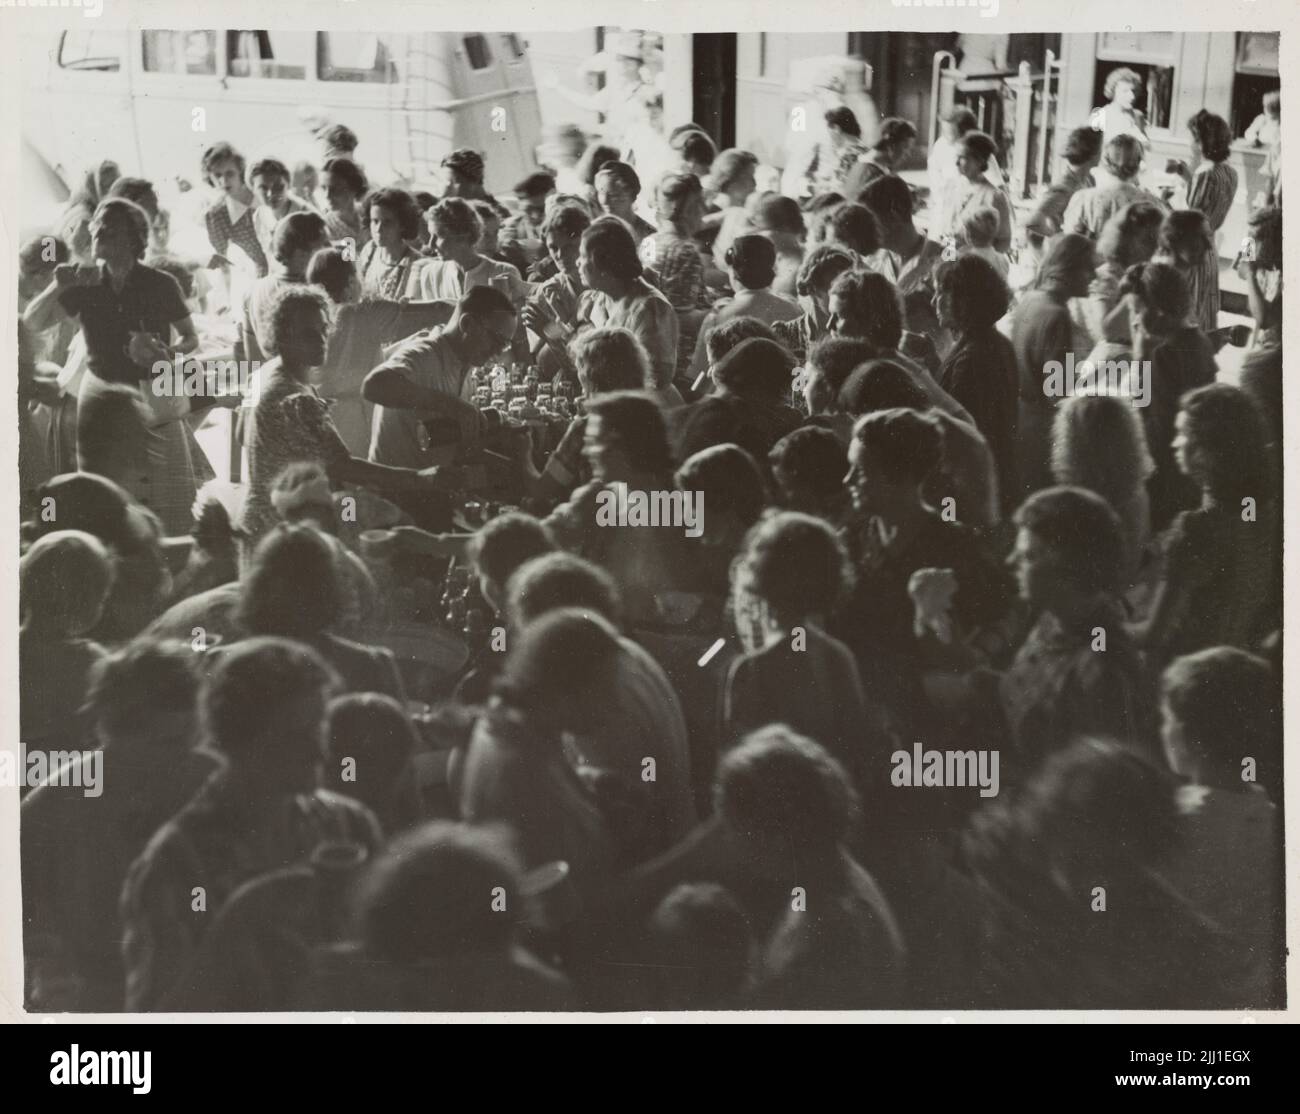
{"x":663,"y":774}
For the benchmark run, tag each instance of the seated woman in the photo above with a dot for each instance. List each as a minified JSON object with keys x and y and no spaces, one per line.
{"x":293,"y":590}
{"x":388,"y":266}
{"x":607,"y":360}
{"x":751,"y":267}
{"x":777,"y":218}
{"x":1222,"y":581}
{"x":290,"y":421}
{"x":1222,"y":732}
{"x":361,"y":327}
{"x":64,"y":582}
{"x":790,"y":575}
{"x":820,"y":268}
{"x":1098,"y":444}
{"x":551,"y":311}
{"x":618,"y":295}
{"x":1180,"y":357}
{"x":515,"y":772}
{"x":128,"y":313}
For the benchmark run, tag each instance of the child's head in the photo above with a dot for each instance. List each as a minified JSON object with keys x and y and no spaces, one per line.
{"x":64,"y":582}
{"x":501,"y":547}
{"x":980,"y":227}
{"x":1273,"y":104}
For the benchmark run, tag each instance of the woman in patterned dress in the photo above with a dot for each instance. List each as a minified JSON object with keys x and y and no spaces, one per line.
{"x":388,"y":266}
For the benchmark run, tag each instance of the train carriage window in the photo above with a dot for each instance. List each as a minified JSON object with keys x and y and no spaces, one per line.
{"x":270,"y":54}
{"x":360,"y":56}
{"x":92,"y":50}
{"x":477,"y":51}
{"x":180,"y":52}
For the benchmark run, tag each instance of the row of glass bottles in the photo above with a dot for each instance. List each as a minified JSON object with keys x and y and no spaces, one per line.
{"x":520,"y":393}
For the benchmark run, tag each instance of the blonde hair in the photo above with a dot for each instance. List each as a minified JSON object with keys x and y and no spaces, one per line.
{"x":980,"y":226}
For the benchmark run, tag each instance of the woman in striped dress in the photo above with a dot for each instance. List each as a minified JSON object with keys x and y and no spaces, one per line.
{"x":1187,"y":244}
{"x":1211,"y":188}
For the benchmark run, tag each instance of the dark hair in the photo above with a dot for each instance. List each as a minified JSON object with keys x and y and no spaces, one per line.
{"x":876,"y":306}
{"x":1130,"y":235}
{"x":905,"y":446}
{"x":889,"y":196}
{"x":855,"y":226}
{"x":134,"y":219}
{"x":425,"y":200}
{"x":31,"y":256}
{"x":428,"y":894}
{"x":756,"y":368}
{"x":1226,"y":443}
{"x":796,"y":564}
{"x":820,"y":266}
{"x":1065,"y":256}
{"x":1266,"y":230}
{"x":611,"y":359}
{"x":812,"y":458}
{"x":637,"y":423}
{"x":564,"y":662}
{"x":349,"y":173}
{"x":139,"y":190}
{"x":566,"y":220}
{"x":728,"y":478}
{"x":881,"y":384}
{"x":894,"y":132}
{"x":65,"y":579}
{"x":219,"y":153}
{"x":481,"y":301}
{"x":254,"y":687}
{"x":978,"y":145}
{"x":537,"y":184}
{"x":457,"y":216}
{"x":339,"y":137}
{"x":778,"y":213}
{"x":292,"y":588}
{"x":1228,"y":703}
{"x":843,"y":118}
{"x":962,"y":118}
{"x":726,"y":334}
{"x":296,"y":232}
{"x":398,"y":202}
{"x":1083,"y":532}
{"x":700,"y":945}
{"x":269,"y":168}
{"x":374,"y":730}
{"x":696,"y":147}
{"x":674,"y":192}
{"x":622,"y":173}
{"x":837,"y":357}
{"x":134,"y":685}
{"x":980,"y":295}
{"x":598,"y":156}
{"x":333,"y":271}
{"x":1121,"y":76}
{"x":1187,"y":233}
{"x":1163,"y":291}
{"x":1082,"y":146}
{"x":555,"y":581}
{"x":730,"y":165}
{"x":611,"y":246}
{"x":465,"y":163}
{"x":506,"y":543}
{"x":753,"y":258}
{"x":781,"y":787}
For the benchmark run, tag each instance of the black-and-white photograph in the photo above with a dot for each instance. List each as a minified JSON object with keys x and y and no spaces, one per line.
{"x":622,"y":519}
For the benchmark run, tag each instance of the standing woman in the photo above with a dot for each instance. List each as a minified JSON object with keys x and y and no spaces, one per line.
{"x":1186,"y":243}
{"x":388,"y":266}
{"x":980,"y":368}
{"x":1120,"y":115}
{"x":975,"y":153}
{"x":131,"y":317}
{"x":344,"y":185}
{"x":672,"y":260}
{"x":1042,"y":334}
{"x":941,"y":163}
{"x":618,"y":295}
{"x":1129,"y":236}
{"x":1181,"y":358}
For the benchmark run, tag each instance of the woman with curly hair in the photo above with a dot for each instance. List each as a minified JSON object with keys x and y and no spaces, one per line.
{"x":817,"y":273}
{"x":1121,"y":116}
{"x":1222,"y":558}
{"x":1186,"y":243}
{"x":344,"y":184}
{"x":1179,"y":357}
{"x":388,"y":266}
{"x":1098,"y":444}
{"x":980,"y":369}
{"x":1212,"y":185}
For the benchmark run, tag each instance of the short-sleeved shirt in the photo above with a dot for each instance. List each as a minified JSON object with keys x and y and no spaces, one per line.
{"x":429,"y":361}
{"x":288,"y":423}
{"x":648,"y":315}
{"x":443,"y":280}
{"x":265,"y":220}
{"x":150,"y":301}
